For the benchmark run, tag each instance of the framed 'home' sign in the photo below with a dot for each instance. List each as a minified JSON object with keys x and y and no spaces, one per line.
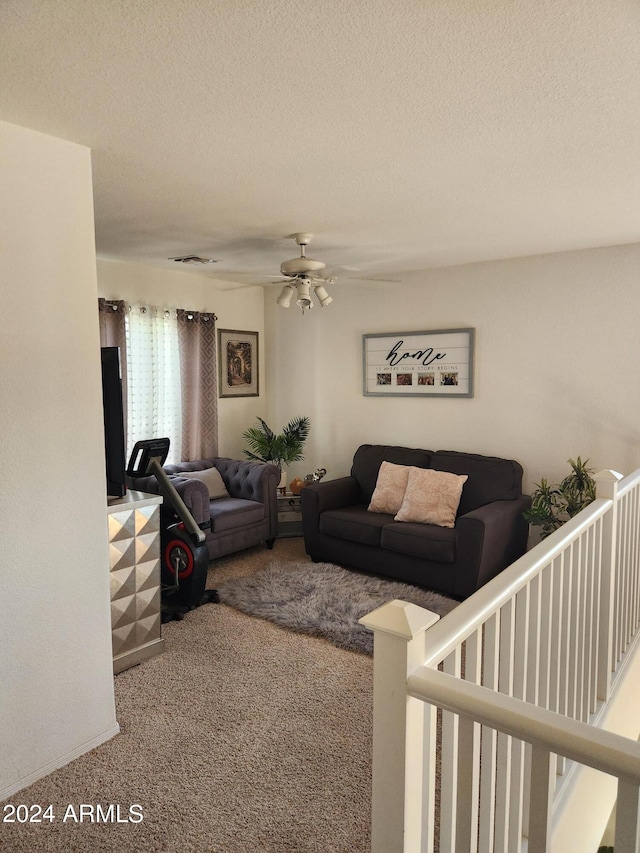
{"x":437,"y":363}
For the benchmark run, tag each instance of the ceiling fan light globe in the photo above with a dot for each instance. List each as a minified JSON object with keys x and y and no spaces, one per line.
{"x":323,"y":297}
{"x":284,"y":300}
{"x":304,"y":294}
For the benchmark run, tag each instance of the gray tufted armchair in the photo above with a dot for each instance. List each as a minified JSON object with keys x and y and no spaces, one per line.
{"x":246,"y":516}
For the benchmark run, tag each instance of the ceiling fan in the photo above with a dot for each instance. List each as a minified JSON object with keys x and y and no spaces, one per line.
{"x":301,"y":274}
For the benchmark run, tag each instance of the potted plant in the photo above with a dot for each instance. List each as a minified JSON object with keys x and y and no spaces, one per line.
{"x":552,"y":506}
{"x":283,"y":449}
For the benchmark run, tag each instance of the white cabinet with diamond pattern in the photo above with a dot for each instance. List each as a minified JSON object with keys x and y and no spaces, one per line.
{"x":134,"y":563}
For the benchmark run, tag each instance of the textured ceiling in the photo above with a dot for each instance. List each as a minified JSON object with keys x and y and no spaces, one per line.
{"x":404,"y":134}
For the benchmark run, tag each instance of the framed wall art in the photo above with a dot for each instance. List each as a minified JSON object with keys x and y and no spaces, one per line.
{"x":238,"y":363}
{"x":436,"y":363}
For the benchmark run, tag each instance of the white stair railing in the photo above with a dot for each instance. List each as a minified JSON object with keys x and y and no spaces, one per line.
{"x":548,"y":634}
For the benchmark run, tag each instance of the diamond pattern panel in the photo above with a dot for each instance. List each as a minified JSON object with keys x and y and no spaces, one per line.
{"x":123,"y":611}
{"x":134,"y":560}
{"x":124,"y":639}
{"x":121,"y":526}
{"x":122,"y":554}
{"x":147,"y":629}
{"x":147,"y":547}
{"x":123,"y":582}
{"x":147,"y":520}
{"x":147,"y":575}
{"x":147,"y":603}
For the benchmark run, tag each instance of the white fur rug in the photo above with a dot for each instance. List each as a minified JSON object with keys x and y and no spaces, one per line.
{"x":323,"y":600}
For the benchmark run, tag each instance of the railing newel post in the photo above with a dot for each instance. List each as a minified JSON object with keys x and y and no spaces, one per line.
{"x":404,"y":731}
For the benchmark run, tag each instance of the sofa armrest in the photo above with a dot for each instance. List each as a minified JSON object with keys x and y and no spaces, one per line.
{"x":319,"y":497}
{"x":333,"y":494}
{"x":489,"y":539}
{"x":193,"y":492}
{"x":249,"y":480}
{"x":253,"y":481}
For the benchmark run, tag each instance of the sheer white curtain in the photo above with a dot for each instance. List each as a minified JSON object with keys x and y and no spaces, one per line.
{"x":153,"y":378}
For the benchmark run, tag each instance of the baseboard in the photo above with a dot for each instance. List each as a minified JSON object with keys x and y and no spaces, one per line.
{"x":59,"y":762}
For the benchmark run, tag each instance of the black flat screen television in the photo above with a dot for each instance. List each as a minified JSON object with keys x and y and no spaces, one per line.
{"x":114,"y":444}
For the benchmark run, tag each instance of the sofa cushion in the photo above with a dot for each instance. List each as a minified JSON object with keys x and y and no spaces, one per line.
{"x":369,"y":457}
{"x":355,"y":523}
{"x":425,"y":541}
{"x":390,"y":488}
{"x":212,"y":479}
{"x":432,"y":497}
{"x":229,"y":513}
{"x":490,"y":478}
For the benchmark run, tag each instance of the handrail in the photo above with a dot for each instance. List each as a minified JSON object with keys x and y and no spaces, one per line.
{"x":628,"y":483}
{"x":602,"y":750}
{"x":470,"y":614}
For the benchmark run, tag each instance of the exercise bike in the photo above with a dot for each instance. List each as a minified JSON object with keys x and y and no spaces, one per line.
{"x":184,"y":558}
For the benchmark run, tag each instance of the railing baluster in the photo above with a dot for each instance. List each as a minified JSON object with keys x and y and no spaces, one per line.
{"x":543,"y":772}
{"x":546,"y":604}
{"x":574,"y":628}
{"x":627,"y":835}
{"x":555,"y":642}
{"x":581,"y":629}
{"x":489,"y":737}
{"x":607,"y":487}
{"x":469,"y":757}
{"x":504,"y":742}
{"x":636,"y":553}
{"x":634,"y":561}
{"x":449,"y":763}
{"x":596,"y":591}
{"x":626,"y":573}
{"x":521,"y":638}
{"x":533,"y":667}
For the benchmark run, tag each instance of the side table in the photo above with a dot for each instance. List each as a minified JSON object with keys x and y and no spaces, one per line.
{"x":289,"y":515}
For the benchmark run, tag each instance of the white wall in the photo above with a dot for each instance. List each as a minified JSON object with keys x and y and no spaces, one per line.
{"x":55,"y":633}
{"x":557,"y":363}
{"x":241,"y":308}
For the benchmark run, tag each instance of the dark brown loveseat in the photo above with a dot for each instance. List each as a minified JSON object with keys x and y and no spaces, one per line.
{"x":489,"y":532}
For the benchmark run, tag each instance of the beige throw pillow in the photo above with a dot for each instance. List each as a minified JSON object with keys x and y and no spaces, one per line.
{"x":212,"y":479}
{"x":432,"y":497}
{"x":390,"y":487}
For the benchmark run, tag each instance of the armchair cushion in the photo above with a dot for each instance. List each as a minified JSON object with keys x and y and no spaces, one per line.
{"x":212,"y":479}
{"x":229,"y":513}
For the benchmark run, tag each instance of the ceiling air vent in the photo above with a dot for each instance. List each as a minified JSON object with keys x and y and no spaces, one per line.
{"x":194,"y":259}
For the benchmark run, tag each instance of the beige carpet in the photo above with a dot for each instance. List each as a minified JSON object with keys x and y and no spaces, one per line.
{"x":242,"y":737}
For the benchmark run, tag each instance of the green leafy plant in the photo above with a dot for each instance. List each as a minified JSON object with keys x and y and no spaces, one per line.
{"x":265,"y":446}
{"x":552,"y":506}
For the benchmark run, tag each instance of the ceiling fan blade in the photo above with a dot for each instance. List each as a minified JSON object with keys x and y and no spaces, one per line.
{"x":349,"y":273}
